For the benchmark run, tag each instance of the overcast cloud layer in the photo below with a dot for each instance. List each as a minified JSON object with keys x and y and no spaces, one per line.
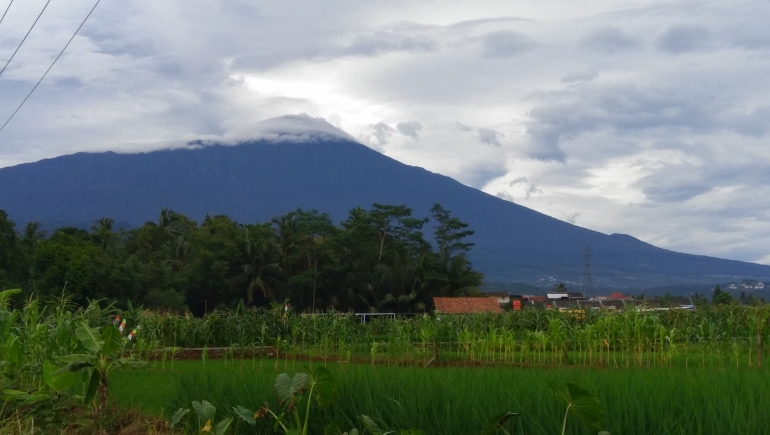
{"x":640,"y":117}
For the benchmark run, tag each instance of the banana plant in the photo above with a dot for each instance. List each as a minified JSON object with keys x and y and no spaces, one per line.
{"x":104,"y":350}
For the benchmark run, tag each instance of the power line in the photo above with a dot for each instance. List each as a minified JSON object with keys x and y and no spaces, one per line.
{"x":6,"y":11}
{"x":52,"y":64}
{"x":25,"y":36}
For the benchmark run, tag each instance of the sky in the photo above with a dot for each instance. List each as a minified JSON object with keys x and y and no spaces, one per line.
{"x":643,"y":118}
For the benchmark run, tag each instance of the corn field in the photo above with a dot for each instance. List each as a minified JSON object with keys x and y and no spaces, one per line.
{"x":710,"y":336}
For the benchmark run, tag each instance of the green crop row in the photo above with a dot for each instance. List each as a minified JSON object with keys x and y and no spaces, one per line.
{"x":451,"y":401}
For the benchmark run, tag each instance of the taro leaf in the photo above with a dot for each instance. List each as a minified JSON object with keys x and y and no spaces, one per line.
{"x":222,"y":426}
{"x":204,"y":410}
{"x":412,"y":432}
{"x":286,"y":388}
{"x":93,"y":385}
{"x":582,"y":403}
{"x":55,"y":380}
{"x":245,"y":415}
{"x":491,"y":426}
{"x":324,"y":386}
{"x":90,"y":338}
{"x":333,"y":428}
{"x":177,"y":417}
{"x":113,"y":340}
{"x":353,"y":431}
{"x":371,"y":425}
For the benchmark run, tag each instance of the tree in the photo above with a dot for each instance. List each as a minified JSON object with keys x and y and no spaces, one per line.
{"x":260,"y":262}
{"x":450,"y":232}
{"x":102,"y":231}
{"x":12,"y":270}
{"x":721,"y":297}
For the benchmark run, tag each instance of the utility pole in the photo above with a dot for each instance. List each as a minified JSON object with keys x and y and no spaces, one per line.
{"x":588,"y":284}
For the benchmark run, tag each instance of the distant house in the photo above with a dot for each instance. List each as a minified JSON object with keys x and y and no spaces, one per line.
{"x":732,"y":287}
{"x":467,"y":305}
{"x":759,"y":286}
{"x":502,"y":297}
{"x":557,"y":296}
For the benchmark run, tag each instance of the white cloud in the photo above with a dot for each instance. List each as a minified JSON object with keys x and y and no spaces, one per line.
{"x":649,"y":119}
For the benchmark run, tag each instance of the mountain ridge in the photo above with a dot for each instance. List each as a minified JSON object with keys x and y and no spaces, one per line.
{"x":257,"y":180}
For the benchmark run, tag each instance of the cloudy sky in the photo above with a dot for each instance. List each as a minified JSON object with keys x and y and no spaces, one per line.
{"x":645,"y":118}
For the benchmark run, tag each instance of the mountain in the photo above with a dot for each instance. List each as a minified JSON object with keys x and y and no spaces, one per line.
{"x":256,"y":180}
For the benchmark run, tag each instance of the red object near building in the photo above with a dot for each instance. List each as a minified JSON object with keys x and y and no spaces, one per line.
{"x":516,"y":305}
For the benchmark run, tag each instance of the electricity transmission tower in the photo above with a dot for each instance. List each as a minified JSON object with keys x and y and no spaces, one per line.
{"x":588,"y":284}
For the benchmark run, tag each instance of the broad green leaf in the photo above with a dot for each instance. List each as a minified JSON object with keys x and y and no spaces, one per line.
{"x":55,"y":380}
{"x":177,"y":417}
{"x":293,"y":431}
{"x":16,"y":394}
{"x":222,"y":426}
{"x":353,"y":431}
{"x":324,"y":386}
{"x":286,"y":388}
{"x":491,"y":426}
{"x":113,"y":340}
{"x":76,"y":358}
{"x":411,"y":432}
{"x":204,"y":410}
{"x":333,"y":428}
{"x":90,"y":338}
{"x":34,"y":398}
{"x":604,"y":432}
{"x":245,"y":415}
{"x":581,"y":403}
{"x":370,"y":425}
{"x":93,"y":385}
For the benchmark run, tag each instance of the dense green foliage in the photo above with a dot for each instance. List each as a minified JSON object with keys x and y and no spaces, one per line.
{"x":376,"y":260}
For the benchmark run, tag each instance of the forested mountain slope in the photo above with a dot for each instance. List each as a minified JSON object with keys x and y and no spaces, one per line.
{"x":255,"y":181}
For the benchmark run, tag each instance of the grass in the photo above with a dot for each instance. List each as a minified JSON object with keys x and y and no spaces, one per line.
{"x":451,"y":401}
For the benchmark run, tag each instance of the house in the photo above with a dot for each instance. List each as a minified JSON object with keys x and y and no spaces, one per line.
{"x":467,"y":305}
{"x":503,"y":298}
{"x":759,"y":286}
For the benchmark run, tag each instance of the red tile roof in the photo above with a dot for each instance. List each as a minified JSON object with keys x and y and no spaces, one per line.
{"x":467,"y":305}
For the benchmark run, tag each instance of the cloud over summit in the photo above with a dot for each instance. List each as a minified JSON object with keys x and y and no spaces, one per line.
{"x":649,"y":119}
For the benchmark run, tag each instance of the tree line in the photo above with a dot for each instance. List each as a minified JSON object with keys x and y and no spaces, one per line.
{"x":376,"y":260}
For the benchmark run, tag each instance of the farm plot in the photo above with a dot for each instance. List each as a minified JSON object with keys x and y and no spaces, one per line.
{"x":450,"y":401}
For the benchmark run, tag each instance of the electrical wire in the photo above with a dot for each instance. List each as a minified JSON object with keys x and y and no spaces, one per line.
{"x":25,"y":37}
{"x":52,"y":64}
{"x":6,"y":11}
